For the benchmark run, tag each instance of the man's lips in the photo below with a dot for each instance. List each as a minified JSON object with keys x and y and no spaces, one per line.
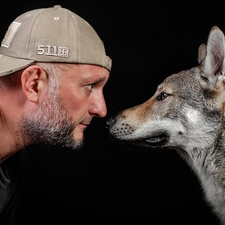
{"x":84,"y":125}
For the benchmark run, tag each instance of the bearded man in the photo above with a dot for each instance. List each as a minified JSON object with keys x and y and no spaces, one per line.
{"x":53,"y":68}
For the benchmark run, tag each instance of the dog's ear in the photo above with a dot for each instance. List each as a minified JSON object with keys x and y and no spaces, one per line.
{"x":201,"y":53}
{"x":213,"y":65}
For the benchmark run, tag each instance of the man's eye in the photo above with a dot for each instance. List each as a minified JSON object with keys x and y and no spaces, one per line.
{"x":90,"y":86}
{"x":162,"y":96}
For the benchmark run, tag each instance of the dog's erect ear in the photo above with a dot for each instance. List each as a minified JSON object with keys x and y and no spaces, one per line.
{"x":213,"y":65}
{"x":201,"y":53}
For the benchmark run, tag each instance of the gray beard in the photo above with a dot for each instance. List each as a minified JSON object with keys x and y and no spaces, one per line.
{"x":50,"y":125}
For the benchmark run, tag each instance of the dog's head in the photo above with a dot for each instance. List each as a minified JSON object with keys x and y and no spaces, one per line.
{"x":186,"y":110}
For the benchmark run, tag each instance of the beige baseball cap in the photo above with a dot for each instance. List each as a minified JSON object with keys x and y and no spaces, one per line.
{"x":50,"y":35}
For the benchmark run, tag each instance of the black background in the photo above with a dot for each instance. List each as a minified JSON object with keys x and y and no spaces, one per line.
{"x":147,"y":42}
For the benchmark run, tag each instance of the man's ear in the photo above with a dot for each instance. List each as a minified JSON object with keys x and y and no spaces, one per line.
{"x":213,"y":66}
{"x":34,"y":83}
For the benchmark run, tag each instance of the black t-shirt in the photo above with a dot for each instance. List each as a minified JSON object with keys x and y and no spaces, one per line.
{"x":12,"y":174}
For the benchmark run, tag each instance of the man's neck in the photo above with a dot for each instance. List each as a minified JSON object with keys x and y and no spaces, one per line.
{"x":8,"y":147}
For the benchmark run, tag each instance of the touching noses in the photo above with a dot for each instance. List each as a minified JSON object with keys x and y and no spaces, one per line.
{"x":98,"y":108}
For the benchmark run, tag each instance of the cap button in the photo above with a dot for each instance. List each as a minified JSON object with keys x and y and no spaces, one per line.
{"x":57,"y":7}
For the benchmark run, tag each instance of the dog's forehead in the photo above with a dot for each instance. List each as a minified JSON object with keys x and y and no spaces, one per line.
{"x":183,"y":80}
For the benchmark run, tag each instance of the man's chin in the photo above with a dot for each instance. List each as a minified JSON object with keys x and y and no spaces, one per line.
{"x":78,"y":144}
{"x":72,"y":143}
{"x":78,"y":141}
{"x":78,"y":134}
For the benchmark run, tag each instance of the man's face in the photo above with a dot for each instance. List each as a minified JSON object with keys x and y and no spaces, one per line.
{"x":67,"y":110}
{"x":81,"y":94}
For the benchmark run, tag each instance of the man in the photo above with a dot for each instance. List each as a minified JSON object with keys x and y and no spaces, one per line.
{"x":53,"y":68}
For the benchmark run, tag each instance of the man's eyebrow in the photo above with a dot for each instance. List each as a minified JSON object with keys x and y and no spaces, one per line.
{"x":94,"y":79}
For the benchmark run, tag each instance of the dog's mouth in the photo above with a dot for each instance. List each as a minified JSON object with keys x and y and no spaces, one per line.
{"x":155,"y":140}
{"x":158,"y":139}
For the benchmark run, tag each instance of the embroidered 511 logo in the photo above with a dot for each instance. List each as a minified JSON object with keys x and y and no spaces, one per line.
{"x":53,"y":51}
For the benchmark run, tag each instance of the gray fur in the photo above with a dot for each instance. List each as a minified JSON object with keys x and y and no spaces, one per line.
{"x":187,"y":114}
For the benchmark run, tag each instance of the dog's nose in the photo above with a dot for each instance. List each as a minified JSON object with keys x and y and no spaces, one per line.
{"x":109,"y":122}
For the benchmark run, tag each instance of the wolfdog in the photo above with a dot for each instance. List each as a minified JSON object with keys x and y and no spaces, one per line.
{"x":186,"y":113}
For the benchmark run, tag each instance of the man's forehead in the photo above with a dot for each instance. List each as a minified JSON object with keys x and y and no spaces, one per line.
{"x":87,"y":71}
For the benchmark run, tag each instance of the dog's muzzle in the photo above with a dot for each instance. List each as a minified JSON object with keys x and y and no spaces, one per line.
{"x":109,"y":122}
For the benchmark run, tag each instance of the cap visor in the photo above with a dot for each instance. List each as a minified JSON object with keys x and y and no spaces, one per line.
{"x":10,"y":65}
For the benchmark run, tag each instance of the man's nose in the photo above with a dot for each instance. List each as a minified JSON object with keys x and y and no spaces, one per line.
{"x":99,"y":108}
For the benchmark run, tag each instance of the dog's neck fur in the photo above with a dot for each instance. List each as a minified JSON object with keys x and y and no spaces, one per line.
{"x":210,"y":169}
{"x":218,"y":171}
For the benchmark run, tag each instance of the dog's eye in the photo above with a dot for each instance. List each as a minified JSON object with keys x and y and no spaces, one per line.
{"x":162,"y":96}
{"x":205,"y":79}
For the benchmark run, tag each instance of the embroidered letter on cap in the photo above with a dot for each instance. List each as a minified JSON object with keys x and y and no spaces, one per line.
{"x":10,"y":34}
{"x":53,"y":51}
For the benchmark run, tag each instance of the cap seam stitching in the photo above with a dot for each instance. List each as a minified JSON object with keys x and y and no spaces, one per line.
{"x":31,"y":32}
{"x":76,"y":28}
